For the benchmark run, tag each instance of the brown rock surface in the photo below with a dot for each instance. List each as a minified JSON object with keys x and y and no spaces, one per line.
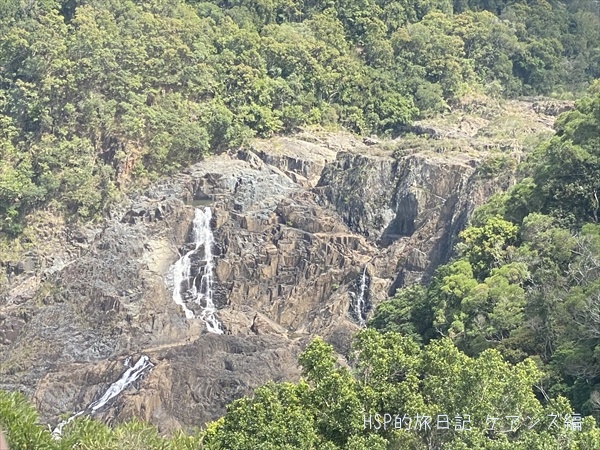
{"x":295,"y":225}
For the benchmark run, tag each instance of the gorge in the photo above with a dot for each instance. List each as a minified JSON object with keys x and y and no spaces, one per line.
{"x":214,"y":279}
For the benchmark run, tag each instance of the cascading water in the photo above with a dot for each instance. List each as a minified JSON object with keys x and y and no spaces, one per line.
{"x":182,"y":273}
{"x":57,"y":432}
{"x":132,"y":374}
{"x":360,"y":299}
{"x":184,"y":281}
{"x":203,"y":295}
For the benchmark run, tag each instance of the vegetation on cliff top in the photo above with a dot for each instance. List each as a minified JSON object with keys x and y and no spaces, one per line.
{"x":97,"y":92}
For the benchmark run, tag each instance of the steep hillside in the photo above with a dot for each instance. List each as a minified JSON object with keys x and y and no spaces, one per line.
{"x":308,"y":234}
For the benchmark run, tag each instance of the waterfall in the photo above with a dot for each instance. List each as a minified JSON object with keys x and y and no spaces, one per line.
{"x":182,"y":272}
{"x":57,"y":432}
{"x":360,"y":299}
{"x":132,"y":374}
{"x":202,"y":292}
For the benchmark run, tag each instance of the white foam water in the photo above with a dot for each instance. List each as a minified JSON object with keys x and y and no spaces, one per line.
{"x":182,"y":272}
{"x":132,"y":374}
{"x":57,"y":432}
{"x":202,"y":292}
{"x":360,"y":299}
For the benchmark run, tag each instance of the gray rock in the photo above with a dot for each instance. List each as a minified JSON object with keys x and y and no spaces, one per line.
{"x":295,"y":226}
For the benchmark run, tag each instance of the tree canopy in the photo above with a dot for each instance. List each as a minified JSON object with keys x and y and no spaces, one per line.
{"x":399,"y":395}
{"x":525,"y":279}
{"x":99,"y":94}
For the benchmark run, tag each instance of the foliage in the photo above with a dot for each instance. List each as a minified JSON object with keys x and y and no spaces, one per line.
{"x":23,"y":431}
{"x":525,"y":277}
{"x":334,"y":407}
{"x":395,"y":375}
{"x":567,"y":178}
{"x":20,"y":422}
{"x":98,"y":94}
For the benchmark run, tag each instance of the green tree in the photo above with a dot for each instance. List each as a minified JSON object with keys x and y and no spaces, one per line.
{"x":569,"y":171}
{"x":276,"y":418}
{"x":486,"y":247}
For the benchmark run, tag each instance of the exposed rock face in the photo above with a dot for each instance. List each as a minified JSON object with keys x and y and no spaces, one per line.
{"x":297,"y":226}
{"x":415,"y":205}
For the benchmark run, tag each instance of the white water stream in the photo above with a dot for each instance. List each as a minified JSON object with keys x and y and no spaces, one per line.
{"x":360,"y":299}
{"x":185,"y":281}
{"x":132,"y":374}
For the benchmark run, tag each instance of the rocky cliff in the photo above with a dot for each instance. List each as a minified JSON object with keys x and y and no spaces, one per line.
{"x":309,"y":232}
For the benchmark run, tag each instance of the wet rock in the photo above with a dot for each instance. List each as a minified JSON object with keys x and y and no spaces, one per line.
{"x":295,"y":225}
{"x":418,"y":202}
{"x":10,"y":328}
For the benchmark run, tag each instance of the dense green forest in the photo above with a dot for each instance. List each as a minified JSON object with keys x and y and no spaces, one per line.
{"x":97,"y":94}
{"x":487,"y":404}
{"x":100,"y":96}
{"x":526,"y":278}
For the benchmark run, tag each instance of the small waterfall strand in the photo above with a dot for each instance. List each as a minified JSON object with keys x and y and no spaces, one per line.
{"x":132,"y":374}
{"x":360,"y":300}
